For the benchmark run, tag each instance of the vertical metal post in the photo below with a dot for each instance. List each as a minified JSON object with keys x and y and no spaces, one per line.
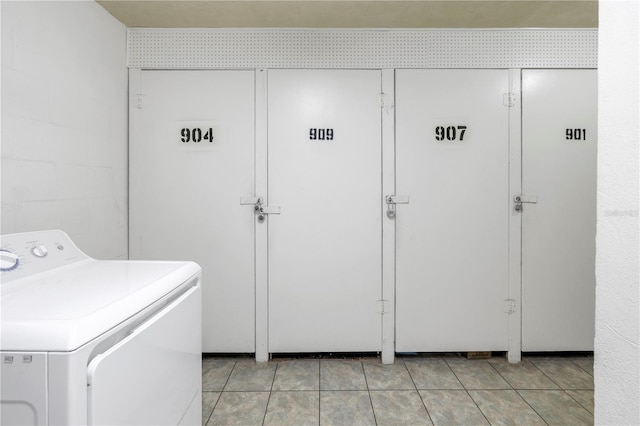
{"x":261,"y":228}
{"x":388,"y":224}
{"x":514,"y":354}
{"x":135,"y":161}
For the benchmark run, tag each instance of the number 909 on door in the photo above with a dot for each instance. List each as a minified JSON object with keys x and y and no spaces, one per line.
{"x":318,"y":134}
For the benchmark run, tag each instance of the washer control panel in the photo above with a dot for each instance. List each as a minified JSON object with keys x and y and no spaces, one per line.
{"x":29,"y":253}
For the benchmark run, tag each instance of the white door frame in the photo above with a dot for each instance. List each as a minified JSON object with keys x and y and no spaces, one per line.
{"x":262,"y":236}
{"x":514,"y":305}
{"x":388,"y":302}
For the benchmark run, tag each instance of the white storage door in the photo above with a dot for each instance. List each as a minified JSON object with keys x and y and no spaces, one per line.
{"x":452,"y":161}
{"x":559,"y":139}
{"x":186,"y":190}
{"x":325,"y":245}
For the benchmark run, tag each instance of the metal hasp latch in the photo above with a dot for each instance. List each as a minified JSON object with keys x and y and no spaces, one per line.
{"x":392,"y":200}
{"x":258,"y":208}
{"x":519,"y":200}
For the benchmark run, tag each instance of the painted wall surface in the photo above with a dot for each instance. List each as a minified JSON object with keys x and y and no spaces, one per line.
{"x":64,"y":123}
{"x":617,"y":351}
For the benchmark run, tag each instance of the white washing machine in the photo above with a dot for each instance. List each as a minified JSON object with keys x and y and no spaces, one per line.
{"x":86,"y":341}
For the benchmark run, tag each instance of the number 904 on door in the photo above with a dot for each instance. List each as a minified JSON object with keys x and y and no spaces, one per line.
{"x":196,"y":135}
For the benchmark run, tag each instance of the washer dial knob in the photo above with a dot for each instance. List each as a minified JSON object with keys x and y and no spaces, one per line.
{"x":39,"y":251}
{"x":8,"y":260}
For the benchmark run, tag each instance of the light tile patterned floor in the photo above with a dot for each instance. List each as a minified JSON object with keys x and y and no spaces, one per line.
{"x":416,"y":390}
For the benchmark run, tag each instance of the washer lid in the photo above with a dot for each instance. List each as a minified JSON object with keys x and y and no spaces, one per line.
{"x":67,"y":307}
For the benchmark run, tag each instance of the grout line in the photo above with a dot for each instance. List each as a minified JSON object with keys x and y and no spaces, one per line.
{"x":221,"y":391}
{"x":418,"y":392}
{"x":319,"y":395}
{"x":500,"y":374}
{"x":534,"y":410}
{"x":410,"y":376}
{"x":366,"y":382}
{"x":226,"y":382}
{"x":573,"y":361}
{"x":578,"y":402}
{"x":476,"y":404}
{"x":266,"y":408}
{"x":454,"y":373}
{"x":546,"y":375}
{"x":466,"y":390}
{"x":214,"y":405}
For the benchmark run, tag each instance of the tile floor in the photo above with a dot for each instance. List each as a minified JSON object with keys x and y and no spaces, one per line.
{"x":415,"y":390}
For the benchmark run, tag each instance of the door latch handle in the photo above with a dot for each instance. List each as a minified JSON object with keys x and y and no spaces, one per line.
{"x":392,"y":200}
{"x":519,"y":200}
{"x":261,"y":210}
{"x":269,"y":210}
{"x":247,"y":201}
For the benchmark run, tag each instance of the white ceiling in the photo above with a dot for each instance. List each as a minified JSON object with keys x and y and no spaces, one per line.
{"x":355,"y":13}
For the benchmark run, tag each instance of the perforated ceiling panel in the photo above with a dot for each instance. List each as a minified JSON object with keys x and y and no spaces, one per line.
{"x":210,"y":48}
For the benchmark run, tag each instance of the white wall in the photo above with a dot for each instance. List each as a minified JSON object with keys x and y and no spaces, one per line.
{"x":617,"y":354}
{"x":64,"y":123}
